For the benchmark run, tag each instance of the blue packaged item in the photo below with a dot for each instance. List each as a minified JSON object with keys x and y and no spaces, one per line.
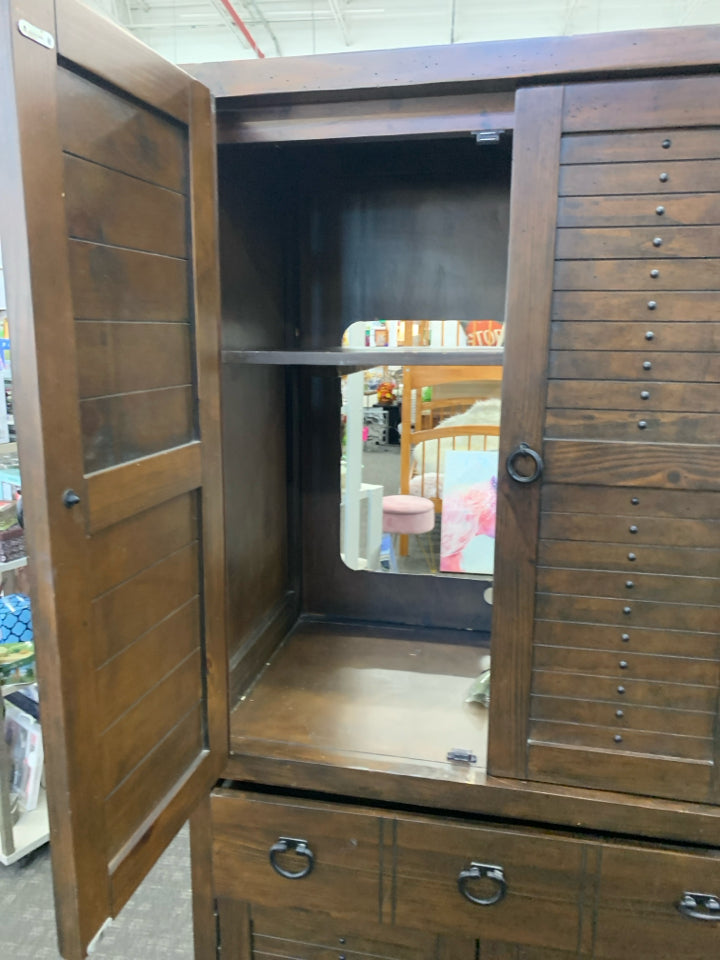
{"x":15,"y":618}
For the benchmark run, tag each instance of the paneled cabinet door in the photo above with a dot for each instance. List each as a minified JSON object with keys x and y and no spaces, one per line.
{"x":606,"y":657}
{"x":109,"y":242}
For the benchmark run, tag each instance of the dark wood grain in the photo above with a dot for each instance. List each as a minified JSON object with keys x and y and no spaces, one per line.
{"x":672,"y":643}
{"x":680,"y":616}
{"x":639,"y":666}
{"x":679,"y":102}
{"x":601,"y":335}
{"x":631,"y":530}
{"x":622,"y":556}
{"x":636,"y":275}
{"x":653,"y":776}
{"x":682,"y":144}
{"x":588,"y":243}
{"x":564,"y":709}
{"x":626,"y":394}
{"x":649,"y":693}
{"x":566,"y":498}
{"x":205,"y":923}
{"x":634,"y":425}
{"x":532,"y":232}
{"x":638,"y":586}
{"x":101,"y":126}
{"x":657,"y":211}
{"x":235,"y":928}
{"x":113,"y":284}
{"x":602,"y":365}
{"x":133,"y":425}
{"x":163,"y":357}
{"x":632,"y":741}
{"x":113,"y":208}
{"x":665,"y":465}
{"x":634,"y":306}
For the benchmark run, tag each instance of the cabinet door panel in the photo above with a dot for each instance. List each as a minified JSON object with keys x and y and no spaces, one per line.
{"x":626,"y":591}
{"x":109,"y":243}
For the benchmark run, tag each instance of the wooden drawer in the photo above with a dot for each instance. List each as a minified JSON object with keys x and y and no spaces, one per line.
{"x":624,"y":307}
{"x":628,"y":394}
{"x":636,"y":424}
{"x":604,"y":335}
{"x":569,"y":498}
{"x":621,"y":717}
{"x":648,"y":693}
{"x":345,"y":878}
{"x":648,"y":210}
{"x":660,"y":240}
{"x":650,"y":275}
{"x":628,"y":663}
{"x":638,"y":586}
{"x":631,"y":530}
{"x":600,"y":637}
{"x":646,"y":742}
{"x":669,"y":616}
{"x":542,"y":872}
{"x":646,"y":145}
{"x":657,"y":176}
{"x":642,"y":366}
{"x":637,"y":915}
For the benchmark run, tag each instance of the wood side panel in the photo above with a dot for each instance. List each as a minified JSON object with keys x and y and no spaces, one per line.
{"x":121,"y":492}
{"x":205,"y":924}
{"x":650,"y":275}
{"x":626,"y":394}
{"x":134,"y":735}
{"x":665,"y":465}
{"x":649,"y":693}
{"x":626,"y":105}
{"x":672,"y":643}
{"x":633,"y":741}
{"x":130,"y":426}
{"x":640,"y":586}
{"x":106,"y":128}
{"x":134,"y":800}
{"x":641,"y":613}
{"x":670,"y":504}
{"x":132,"y":674}
{"x":590,"y":243}
{"x":630,"y":773}
{"x":532,"y":236}
{"x":635,"y":335}
{"x":682,"y":722}
{"x":648,"y":425}
{"x":632,"y":530}
{"x":113,"y":284}
{"x":680,"y":176}
{"x":98,"y":45}
{"x":642,"y":666}
{"x":681,"y":144}
{"x":607,"y":305}
{"x":689,"y":562}
{"x":123,"y":614}
{"x":161,"y":351}
{"x":108,"y":207}
{"x":649,"y":210}
{"x":235,"y":928}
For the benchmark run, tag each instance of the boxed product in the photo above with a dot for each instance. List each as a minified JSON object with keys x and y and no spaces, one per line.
{"x":23,"y":739}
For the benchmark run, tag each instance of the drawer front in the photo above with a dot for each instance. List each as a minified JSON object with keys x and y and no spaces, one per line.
{"x":650,"y":275}
{"x":340,"y":859}
{"x":660,"y":240}
{"x":620,"y":717}
{"x":655,"y":176}
{"x":637,"y":915}
{"x":542,"y":874}
{"x":640,"y":366}
{"x":669,"y":616}
{"x":600,"y":335}
{"x":640,"y":586}
{"x":617,"y":690}
{"x":640,"y":306}
{"x":646,"y":145}
{"x":647,"y":210}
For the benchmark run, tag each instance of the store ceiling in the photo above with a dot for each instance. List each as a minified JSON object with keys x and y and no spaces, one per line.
{"x":197,"y":30}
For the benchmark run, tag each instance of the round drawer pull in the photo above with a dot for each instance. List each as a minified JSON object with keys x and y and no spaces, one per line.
{"x":619,"y":714}
{"x":483,"y":871}
{"x":632,"y":528}
{"x":621,"y":689}
{"x":660,"y":210}
{"x":649,"y":335}
{"x":524,"y":451}
{"x":700,"y":906}
{"x":617,"y":738}
{"x":642,"y":424}
{"x":654,"y":274}
{"x":666,"y":144}
{"x":664,"y":177}
{"x":657,"y":241}
{"x":298,"y":847}
{"x":634,"y":501}
{"x":647,"y":365}
{"x":632,"y":557}
{"x":644,"y":394}
{"x":652,"y":305}
{"x":625,"y":637}
{"x":629,"y":584}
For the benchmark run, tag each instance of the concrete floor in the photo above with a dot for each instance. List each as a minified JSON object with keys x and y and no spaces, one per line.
{"x":155,"y":925}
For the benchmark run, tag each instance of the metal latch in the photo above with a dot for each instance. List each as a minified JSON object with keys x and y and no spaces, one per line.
{"x":460,"y":755}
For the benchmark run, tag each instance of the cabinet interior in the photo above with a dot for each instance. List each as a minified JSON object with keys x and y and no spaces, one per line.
{"x":315,"y":237}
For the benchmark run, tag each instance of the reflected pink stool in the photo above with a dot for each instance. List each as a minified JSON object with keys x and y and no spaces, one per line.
{"x":405,"y":514}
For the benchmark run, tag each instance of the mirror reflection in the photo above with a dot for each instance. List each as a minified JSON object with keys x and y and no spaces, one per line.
{"x":420,"y":451}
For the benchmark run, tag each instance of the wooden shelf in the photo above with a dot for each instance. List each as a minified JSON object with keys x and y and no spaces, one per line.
{"x":371,"y":356}
{"x":333,"y":690}
{"x":30,"y":832}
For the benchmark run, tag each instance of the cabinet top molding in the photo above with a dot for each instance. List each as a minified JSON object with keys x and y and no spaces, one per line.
{"x":497,"y":64}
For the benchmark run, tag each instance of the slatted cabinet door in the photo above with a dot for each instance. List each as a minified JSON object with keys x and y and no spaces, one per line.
{"x":110,"y":246}
{"x":612,"y":678}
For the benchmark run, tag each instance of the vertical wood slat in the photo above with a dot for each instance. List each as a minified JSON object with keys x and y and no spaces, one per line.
{"x":205,"y":931}
{"x":536,"y":159}
{"x":39,"y":301}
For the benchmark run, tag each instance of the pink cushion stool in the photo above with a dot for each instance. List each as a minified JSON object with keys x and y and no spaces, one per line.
{"x":405,"y":514}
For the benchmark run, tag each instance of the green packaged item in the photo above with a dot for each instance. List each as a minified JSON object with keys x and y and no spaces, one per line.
{"x":17,"y":663}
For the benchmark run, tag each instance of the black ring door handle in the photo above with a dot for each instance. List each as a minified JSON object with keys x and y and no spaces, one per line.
{"x":524,"y":451}
{"x":700,"y":906}
{"x":483,"y":871}
{"x":298,"y":847}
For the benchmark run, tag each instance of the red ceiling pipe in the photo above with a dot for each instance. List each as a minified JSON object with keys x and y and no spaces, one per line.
{"x":240,"y":23}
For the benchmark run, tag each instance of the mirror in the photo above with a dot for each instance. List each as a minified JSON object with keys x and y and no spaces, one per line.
{"x":420,"y":450}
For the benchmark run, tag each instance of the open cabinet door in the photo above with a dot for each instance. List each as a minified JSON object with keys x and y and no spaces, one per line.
{"x":109,"y":241}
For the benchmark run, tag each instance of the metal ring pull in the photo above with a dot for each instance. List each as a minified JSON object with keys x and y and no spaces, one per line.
{"x":524,"y":451}
{"x":699,"y":906}
{"x":482,"y":871}
{"x":292,"y":845}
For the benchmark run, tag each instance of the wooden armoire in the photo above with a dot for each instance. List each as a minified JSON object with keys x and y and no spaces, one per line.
{"x":184,"y":250}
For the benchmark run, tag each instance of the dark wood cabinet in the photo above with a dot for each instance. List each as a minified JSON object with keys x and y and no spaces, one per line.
{"x":177,"y":318}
